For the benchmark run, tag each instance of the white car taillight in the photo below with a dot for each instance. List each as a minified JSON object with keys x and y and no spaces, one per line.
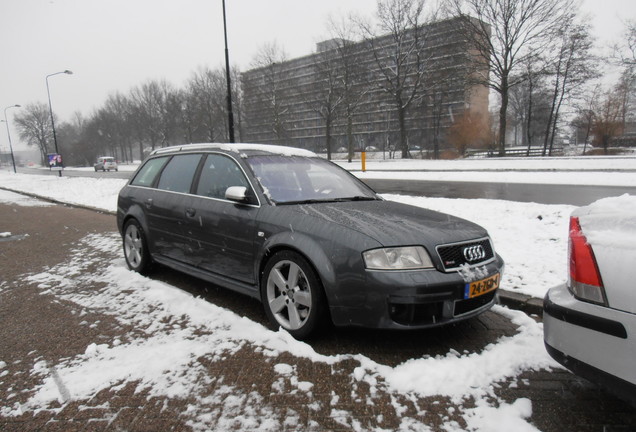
{"x":585,"y":279}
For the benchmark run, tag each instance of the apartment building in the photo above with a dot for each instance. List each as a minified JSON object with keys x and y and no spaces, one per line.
{"x":342,"y":87}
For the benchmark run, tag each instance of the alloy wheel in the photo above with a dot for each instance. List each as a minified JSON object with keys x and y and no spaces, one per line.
{"x":289,"y":295}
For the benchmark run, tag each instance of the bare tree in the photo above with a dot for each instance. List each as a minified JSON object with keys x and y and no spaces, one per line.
{"x":624,"y":56}
{"x":626,"y":92}
{"x":625,"y":51}
{"x":525,"y":103}
{"x":435,"y":101}
{"x":147,"y":101}
{"x":158,"y":109}
{"x":630,"y":42}
{"x":34,"y":126}
{"x":350,"y":81}
{"x":170,"y":113}
{"x":329,"y":97}
{"x":206,"y":93}
{"x":572,"y":66}
{"x":116,"y":116}
{"x":272,"y":108}
{"x":584,"y":120}
{"x":397,"y":44}
{"x":70,"y":134}
{"x":509,"y":33}
{"x":607,"y":120}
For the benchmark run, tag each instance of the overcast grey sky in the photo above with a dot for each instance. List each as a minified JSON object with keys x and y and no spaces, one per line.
{"x":114,"y":45}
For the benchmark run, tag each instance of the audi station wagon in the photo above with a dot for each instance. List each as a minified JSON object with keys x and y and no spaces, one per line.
{"x":312,"y":242}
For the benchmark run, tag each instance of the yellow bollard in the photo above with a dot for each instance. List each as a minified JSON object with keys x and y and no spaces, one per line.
{"x":364,"y":161}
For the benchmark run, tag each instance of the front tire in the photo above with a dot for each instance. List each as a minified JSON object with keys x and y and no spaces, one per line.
{"x":136,"y":247}
{"x":292,"y":294}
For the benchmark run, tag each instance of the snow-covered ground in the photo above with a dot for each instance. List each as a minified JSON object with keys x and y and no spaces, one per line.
{"x":531,"y":237}
{"x":164,"y":359}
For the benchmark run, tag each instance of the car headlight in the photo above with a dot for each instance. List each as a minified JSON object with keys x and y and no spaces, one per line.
{"x":397,"y":258}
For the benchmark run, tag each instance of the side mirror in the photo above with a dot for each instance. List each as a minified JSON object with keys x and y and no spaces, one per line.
{"x":237,"y":194}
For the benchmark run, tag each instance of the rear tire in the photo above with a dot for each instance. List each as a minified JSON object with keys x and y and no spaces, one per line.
{"x":136,"y":250}
{"x":292,"y":294}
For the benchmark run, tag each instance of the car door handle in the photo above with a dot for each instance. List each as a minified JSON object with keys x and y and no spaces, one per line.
{"x":149,"y":203}
{"x":190,"y":212}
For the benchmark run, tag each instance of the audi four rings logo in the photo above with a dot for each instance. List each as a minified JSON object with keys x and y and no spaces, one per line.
{"x":474,"y":253}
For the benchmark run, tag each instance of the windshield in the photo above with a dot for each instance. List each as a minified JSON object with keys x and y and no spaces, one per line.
{"x":296,"y":179}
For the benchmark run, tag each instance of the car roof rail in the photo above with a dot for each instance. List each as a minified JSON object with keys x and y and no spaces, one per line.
{"x":236,"y":148}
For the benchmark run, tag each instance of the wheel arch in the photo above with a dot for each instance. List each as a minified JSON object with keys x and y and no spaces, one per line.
{"x":307,"y":248}
{"x":134,"y":212}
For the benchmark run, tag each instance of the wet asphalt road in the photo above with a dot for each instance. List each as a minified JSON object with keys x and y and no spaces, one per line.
{"x":538,"y":193}
{"x":37,"y":325}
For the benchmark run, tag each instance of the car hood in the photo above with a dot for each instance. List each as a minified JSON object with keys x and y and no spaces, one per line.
{"x":393,"y":224}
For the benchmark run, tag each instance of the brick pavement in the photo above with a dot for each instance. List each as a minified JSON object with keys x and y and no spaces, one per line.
{"x":241,"y":386}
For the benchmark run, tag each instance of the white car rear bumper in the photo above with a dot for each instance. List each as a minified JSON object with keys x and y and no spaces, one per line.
{"x":596,"y":342}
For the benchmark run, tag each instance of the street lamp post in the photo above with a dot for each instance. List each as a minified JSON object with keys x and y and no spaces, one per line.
{"x":48,"y":92}
{"x":6,"y":122}
{"x":230,"y":115}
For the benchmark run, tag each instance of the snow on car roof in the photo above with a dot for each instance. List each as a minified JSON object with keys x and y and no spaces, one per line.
{"x":610,"y":222}
{"x":240,"y":148}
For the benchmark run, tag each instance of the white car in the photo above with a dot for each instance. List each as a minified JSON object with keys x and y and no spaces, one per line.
{"x":590,"y":322}
{"x":105,"y":163}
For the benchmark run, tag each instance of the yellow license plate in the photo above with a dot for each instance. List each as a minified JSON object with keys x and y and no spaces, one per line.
{"x":480,"y":287}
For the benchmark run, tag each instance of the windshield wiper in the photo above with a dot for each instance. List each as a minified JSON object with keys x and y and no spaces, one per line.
{"x":355,"y":198}
{"x":307,"y":201}
{"x":327,"y":200}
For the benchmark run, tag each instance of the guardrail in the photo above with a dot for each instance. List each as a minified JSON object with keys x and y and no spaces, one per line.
{"x":517,"y":152}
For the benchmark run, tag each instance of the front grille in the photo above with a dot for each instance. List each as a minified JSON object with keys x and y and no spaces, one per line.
{"x":455,"y":255}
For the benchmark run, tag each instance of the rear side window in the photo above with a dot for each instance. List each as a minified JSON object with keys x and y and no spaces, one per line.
{"x":147,"y":173}
{"x":178,"y":174}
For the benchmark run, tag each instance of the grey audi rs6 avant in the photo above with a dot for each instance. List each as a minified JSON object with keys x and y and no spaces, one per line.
{"x":309,"y":240}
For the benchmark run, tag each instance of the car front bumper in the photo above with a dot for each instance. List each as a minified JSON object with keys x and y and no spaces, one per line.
{"x":412,"y":299}
{"x":593,"y":341}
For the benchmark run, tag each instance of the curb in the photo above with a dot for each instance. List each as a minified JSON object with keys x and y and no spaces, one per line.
{"x":522,"y":302}
{"x":54,"y":201}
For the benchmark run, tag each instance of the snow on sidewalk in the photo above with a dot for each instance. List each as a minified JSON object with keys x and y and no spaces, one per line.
{"x":186,"y":348}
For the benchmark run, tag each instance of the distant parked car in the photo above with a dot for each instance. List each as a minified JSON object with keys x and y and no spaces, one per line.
{"x":590,"y":322}
{"x":105,"y":163}
{"x":304,"y":236}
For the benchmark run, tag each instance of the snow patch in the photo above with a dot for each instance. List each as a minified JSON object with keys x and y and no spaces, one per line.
{"x":505,"y":418}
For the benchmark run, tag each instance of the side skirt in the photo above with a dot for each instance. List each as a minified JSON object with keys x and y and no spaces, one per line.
{"x":225,"y":282}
